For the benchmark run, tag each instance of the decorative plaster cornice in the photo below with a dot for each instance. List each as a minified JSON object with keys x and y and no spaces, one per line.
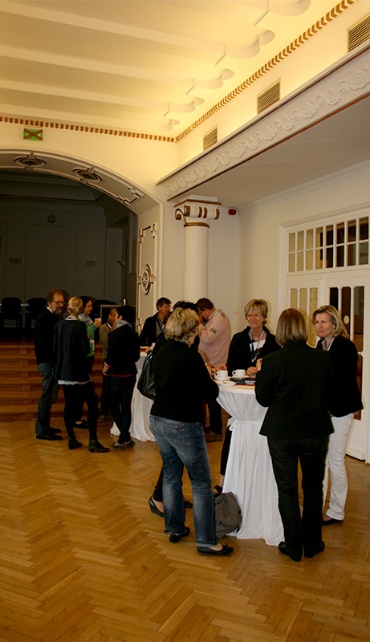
{"x":87,"y":129}
{"x":298,"y":42}
{"x":334,"y":91}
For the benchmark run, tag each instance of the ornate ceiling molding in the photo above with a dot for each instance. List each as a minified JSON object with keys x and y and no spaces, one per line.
{"x":298,"y":42}
{"x":105,"y":131}
{"x":337,"y":89}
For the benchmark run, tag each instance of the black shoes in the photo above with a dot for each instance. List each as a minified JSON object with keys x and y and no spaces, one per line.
{"x":96,"y":447}
{"x":153,"y":507}
{"x":126,"y":444}
{"x":55,"y":430}
{"x":311,"y":552}
{"x":225,"y":550}
{"x":294,"y":555}
{"x":49,"y":436}
{"x":176,"y":538}
{"x":73,"y":443}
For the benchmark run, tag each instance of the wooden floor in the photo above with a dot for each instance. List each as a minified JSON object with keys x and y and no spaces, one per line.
{"x":82,"y":558}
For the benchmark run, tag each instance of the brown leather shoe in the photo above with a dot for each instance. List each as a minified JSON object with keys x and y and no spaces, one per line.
{"x":212,"y":436}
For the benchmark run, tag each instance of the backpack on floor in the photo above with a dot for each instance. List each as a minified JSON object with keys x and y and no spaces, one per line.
{"x":228,"y":515}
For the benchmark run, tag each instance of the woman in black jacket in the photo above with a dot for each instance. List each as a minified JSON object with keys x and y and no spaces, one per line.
{"x":182,"y":382}
{"x":253,"y":343}
{"x":72,"y":347}
{"x":344,"y":356}
{"x":120,"y":367}
{"x":296,"y":384}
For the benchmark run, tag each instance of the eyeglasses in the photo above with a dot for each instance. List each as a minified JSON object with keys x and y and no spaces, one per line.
{"x":255,"y":316}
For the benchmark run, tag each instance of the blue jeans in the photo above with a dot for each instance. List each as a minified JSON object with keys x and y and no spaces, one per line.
{"x":183,"y":444}
{"x":48,"y":396}
{"x":311,"y":454}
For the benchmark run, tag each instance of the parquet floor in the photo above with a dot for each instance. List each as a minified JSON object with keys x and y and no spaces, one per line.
{"x":83,"y":559}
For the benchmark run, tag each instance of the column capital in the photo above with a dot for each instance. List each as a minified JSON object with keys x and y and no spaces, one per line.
{"x":196,"y":208}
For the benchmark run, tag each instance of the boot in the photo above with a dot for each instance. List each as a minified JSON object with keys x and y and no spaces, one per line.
{"x":96,"y":447}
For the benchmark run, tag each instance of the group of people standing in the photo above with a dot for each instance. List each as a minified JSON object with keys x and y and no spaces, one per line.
{"x":311,"y":396}
{"x":65,"y":347}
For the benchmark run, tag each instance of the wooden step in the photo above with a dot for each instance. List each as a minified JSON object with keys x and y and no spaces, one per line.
{"x":21,"y":383}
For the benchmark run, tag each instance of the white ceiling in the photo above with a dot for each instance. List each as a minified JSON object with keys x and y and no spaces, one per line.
{"x":157,"y":66}
{"x":144,"y":65}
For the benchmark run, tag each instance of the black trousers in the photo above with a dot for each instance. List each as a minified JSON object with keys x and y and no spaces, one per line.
{"x":121,"y":390}
{"x":300,"y":530}
{"x":74,"y":397}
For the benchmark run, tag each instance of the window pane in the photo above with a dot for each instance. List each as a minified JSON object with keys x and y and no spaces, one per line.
{"x":319,"y":237}
{"x":364,"y":229}
{"x":351,"y":226}
{"x":334,"y":297}
{"x":291,"y":267}
{"x":364,"y":253}
{"x":318,"y":259}
{"x":359,"y":304}
{"x":300,"y":241}
{"x":309,"y":239}
{"x":329,"y":257}
{"x":300,"y":265}
{"x":309,"y":260}
{"x":340,"y":256}
{"x":294,"y":298}
{"x":346,"y":308}
{"x":291,"y":242}
{"x":329,"y":235}
{"x":303,"y":299}
{"x":340,"y":233}
{"x":351,"y":255}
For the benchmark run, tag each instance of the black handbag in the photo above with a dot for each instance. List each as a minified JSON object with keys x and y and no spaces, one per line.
{"x":145,"y":383}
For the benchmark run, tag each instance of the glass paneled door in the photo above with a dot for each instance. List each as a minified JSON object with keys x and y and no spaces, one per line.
{"x":350,"y":295}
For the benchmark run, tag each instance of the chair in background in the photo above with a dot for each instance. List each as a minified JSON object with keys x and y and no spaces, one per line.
{"x":95,"y":313}
{"x":11,"y":309}
{"x":36,"y":305}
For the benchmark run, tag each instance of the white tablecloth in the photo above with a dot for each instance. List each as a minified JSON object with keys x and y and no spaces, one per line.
{"x":140,"y":408}
{"x":249,"y":474}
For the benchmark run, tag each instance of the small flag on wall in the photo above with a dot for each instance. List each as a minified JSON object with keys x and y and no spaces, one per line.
{"x":33,"y":134}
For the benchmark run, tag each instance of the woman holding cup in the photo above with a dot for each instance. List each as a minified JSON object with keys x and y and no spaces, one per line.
{"x":253,"y":343}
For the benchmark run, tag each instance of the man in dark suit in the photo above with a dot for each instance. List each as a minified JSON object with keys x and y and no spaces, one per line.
{"x":154,"y":325}
{"x":45,"y":357}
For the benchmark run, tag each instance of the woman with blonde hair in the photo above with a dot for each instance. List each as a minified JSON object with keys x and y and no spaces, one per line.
{"x":72,"y":348}
{"x":296,"y":385}
{"x":333,"y":338}
{"x":182,"y":382}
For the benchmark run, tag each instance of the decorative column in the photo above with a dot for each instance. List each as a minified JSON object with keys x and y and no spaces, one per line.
{"x":193,"y":212}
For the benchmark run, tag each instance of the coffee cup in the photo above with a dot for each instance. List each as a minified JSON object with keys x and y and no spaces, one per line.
{"x":239,"y":374}
{"x":221,"y":375}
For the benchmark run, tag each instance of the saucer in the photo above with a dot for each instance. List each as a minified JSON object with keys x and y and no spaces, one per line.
{"x":227,"y":382}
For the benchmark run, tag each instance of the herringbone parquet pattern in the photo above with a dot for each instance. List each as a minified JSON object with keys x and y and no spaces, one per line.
{"x":82,"y":558}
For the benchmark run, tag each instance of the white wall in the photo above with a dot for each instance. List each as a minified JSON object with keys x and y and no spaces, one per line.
{"x":261,"y":225}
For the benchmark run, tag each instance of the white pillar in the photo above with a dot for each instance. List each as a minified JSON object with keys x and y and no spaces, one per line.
{"x":196,"y":260}
{"x":196,"y":243}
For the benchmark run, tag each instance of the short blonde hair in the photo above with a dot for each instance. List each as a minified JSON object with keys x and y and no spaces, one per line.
{"x":291,"y":326}
{"x":258,"y":304}
{"x":335,"y":318}
{"x":181,"y":325}
{"x":75,"y":305}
